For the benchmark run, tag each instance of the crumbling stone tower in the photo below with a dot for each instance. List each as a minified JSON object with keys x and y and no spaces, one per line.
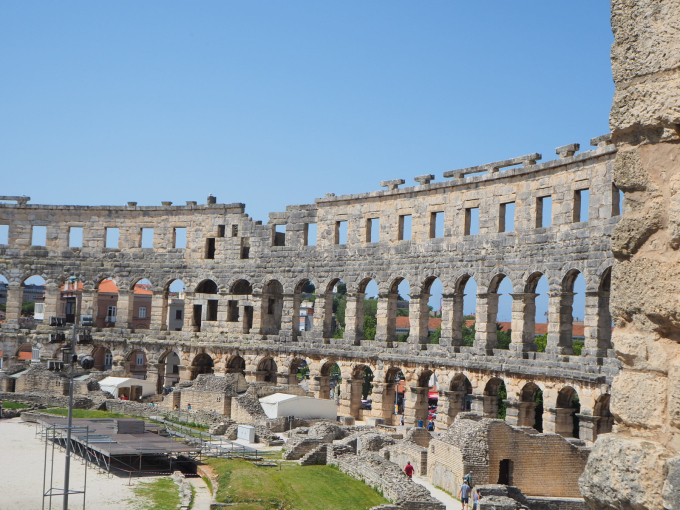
{"x":639,"y":466}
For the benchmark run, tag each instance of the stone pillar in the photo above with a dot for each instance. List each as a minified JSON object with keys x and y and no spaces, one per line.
{"x":378,"y":397}
{"x":184,"y":373}
{"x":283,"y":378}
{"x":416,"y":406}
{"x":449,"y":405}
{"x":597,"y":324}
{"x":419,"y":318}
{"x":560,"y":421}
{"x":290,"y":321}
{"x":124,"y":308}
{"x":587,"y":428}
{"x":449,"y":319}
{"x":523,"y":322}
{"x":323,"y":315}
{"x":154,"y":373}
{"x":560,"y":322}
{"x":189,"y":312}
{"x":259,"y":311}
{"x":477,"y":404}
{"x":386,"y":330}
{"x":89,"y":303}
{"x":354,"y":318}
{"x":520,"y":414}
{"x":159,"y":311}
{"x":485,"y":333}
{"x":15,"y":296}
{"x":388,"y":400}
{"x":320,"y":386}
{"x":52,"y":298}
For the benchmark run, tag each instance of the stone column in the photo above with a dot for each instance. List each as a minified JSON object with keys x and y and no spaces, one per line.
{"x":388,"y":400}
{"x":15,"y":296}
{"x":323,"y":315}
{"x":290,"y":321}
{"x":320,"y":386}
{"x":597,"y":324}
{"x":155,"y":373}
{"x":485,"y":333}
{"x":587,"y":428}
{"x":89,"y":304}
{"x":52,"y":298}
{"x":283,"y":378}
{"x":448,"y":406}
{"x":354,"y":318}
{"x":189,"y":312}
{"x":523,"y":322}
{"x":560,"y":420}
{"x":386,"y":318}
{"x":419,"y":318}
{"x":379,"y":405}
{"x":560,"y":322}
{"x":184,"y":373}
{"x":416,"y":406}
{"x":159,"y":311}
{"x":520,"y":414}
{"x":124,"y":308}
{"x":477,"y":404}
{"x":450,"y":320}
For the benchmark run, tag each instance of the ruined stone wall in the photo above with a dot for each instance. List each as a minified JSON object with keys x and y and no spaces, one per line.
{"x":639,"y":466}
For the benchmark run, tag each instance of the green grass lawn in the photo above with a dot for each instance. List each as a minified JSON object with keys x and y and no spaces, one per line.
{"x":14,"y":405}
{"x":293,"y":487}
{"x":159,"y":494}
{"x":85,"y":413}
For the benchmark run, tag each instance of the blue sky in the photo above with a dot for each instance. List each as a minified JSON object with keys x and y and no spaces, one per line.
{"x":277,"y":103}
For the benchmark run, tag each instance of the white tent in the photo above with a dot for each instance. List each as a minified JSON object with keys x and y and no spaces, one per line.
{"x":282,"y":404}
{"x":114,"y":384}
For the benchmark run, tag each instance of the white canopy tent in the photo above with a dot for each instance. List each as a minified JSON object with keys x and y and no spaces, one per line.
{"x":114,"y":384}
{"x":281,"y":404}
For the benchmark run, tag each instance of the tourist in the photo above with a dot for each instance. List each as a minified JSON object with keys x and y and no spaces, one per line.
{"x":464,"y":495}
{"x":409,"y":470}
{"x":189,"y":407}
{"x":402,"y":420}
{"x":430,"y":426}
{"x":475,"y":500}
{"x":468,"y":479}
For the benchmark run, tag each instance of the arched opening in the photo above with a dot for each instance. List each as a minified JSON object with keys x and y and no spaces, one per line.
{"x":361,"y":388}
{"x":394,"y":396}
{"x":272,"y":302}
{"x":495,"y":394}
{"x":566,"y":416}
{"x":33,"y":301}
{"x":70,"y":299}
{"x":303,"y":307}
{"x":572,"y":313}
{"x":398,"y":303}
{"x":418,"y":399}
{"x":299,"y":371}
{"x":498,"y":320}
{"x":205,"y":304}
{"x":431,"y":310}
{"x":329,"y":381}
{"x":107,"y":304}
{"x":536,"y":312}
{"x":206,"y":287}
{"x":367,"y":313}
{"x":531,"y":407}
{"x":142,"y":292}
{"x":168,"y":372}
{"x":452,"y":400}
{"x":462,"y":385}
{"x":604,"y":316}
{"x":236,"y":365}
{"x":136,"y":364}
{"x":267,"y":370}
{"x":202,"y":364}
{"x":240,"y":306}
{"x":103,"y":359}
{"x":173,"y":303}
{"x":465,"y":312}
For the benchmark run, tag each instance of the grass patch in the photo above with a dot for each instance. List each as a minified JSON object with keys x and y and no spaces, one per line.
{"x":160,"y":494}
{"x":208,"y":482}
{"x":84,"y":413}
{"x":190,"y":424}
{"x":14,"y":405}
{"x":292,"y":487}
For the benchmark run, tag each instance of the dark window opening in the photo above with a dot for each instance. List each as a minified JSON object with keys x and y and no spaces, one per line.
{"x":207,"y":287}
{"x":270,"y":306}
{"x":198,"y":310}
{"x":221,"y":230}
{"x":247,"y":318}
{"x":178,"y":315}
{"x":210,"y":248}
{"x":505,"y":472}
{"x":232,"y":311}
{"x":212,"y":310}
{"x":245,"y":248}
{"x":234,"y":231}
{"x":279,"y":235}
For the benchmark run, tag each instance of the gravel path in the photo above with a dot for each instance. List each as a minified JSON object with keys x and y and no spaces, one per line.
{"x":22,"y":457}
{"x":450,"y":502}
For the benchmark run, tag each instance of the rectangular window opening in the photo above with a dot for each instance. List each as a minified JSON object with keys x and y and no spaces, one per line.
{"x":405,"y":227}
{"x":279,"y":235}
{"x":112,"y":237}
{"x":617,"y":201}
{"x":506,"y":218}
{"x":141,"y":313}
{"x":178,"y":315}
{"x":581,"y":205}
{"x":340,"y":232}
{"x":373,"y":230}
{"x":245,"y":248}
{"x":436,"y":224}
{"x":211,"y":314}
{"x":232,"y":311}
{"x":234,"y":231}
{"x":146,"y":238}
{"x":543,"y":212}
{"x":4,"y":234}
{"x":310,"y":234}
{"x":472,"y":221}
{"x":270,"y":306}
{"x":180,"y":237}
{"x":75,"y":237}
{"x":139,"y":360}
{"x":39,"y":236}
{"x":221,"y":230}
{"x":210,"y":248}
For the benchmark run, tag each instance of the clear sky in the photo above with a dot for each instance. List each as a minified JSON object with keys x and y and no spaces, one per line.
{"x":276,"y":103}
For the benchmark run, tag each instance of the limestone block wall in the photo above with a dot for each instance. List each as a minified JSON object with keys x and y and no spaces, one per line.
{"x":212,"y":401}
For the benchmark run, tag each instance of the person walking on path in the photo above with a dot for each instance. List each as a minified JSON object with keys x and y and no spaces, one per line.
{"x":475,"y":500}
{"x":468,"y":479}
{"x":409,"y":470}
{"x":464,"y":495}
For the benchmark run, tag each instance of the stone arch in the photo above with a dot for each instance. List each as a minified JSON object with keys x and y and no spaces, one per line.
{"x":267,"y":370}
{"x":236,"y":365}
{"x":35,"y":300}
{"x":103,"y":358}
{"x":173,"y":307}
{"x":603,"y":418}
{"x":530,"y":413}
{"x":330,"y":377}
{"x":494,"y":395}
{"x":305,"y":289}
{"x":567,"y":409}
{"x":417,"y":400}
{"x":136,"y":363}
{"x":207,"y":286}
{"x":201,"y":364}
{"x":241,"y":287}
{"x":393,"y":400}
{"x":168,"y":367}
{"x":392,"y":326}
{"x":272,"y":307}
{"x":106,"y":304}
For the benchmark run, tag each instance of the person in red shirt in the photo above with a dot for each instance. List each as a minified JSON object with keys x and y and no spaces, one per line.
{"x":409,"y":470}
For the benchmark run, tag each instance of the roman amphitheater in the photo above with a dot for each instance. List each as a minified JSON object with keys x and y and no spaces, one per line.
{"x":244,"y":285}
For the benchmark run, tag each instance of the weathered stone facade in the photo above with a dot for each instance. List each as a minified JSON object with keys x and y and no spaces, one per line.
{"x":243,"y":287}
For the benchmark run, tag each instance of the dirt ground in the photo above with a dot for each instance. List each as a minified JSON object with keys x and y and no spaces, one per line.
{"x":22,"y":460}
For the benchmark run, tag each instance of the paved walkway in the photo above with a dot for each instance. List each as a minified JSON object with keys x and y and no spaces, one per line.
{"x":203,"y":498}
{"x":450,"y":502}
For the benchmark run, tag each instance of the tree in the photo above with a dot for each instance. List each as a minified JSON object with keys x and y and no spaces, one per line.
{"x":367,"y":387}
{"x":577,"y":344}
{"x":27,"y":308}
{"x":341,"y":289}
{"x":469,"y":334}
{"x":370,"y":320}
{"x":541,"y":341}
{"x":339,"y":306}
{"x":436,"y":335}
{"x":402,"y":312}
{"x":502,"y":405}
{"x":504,"y":337}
